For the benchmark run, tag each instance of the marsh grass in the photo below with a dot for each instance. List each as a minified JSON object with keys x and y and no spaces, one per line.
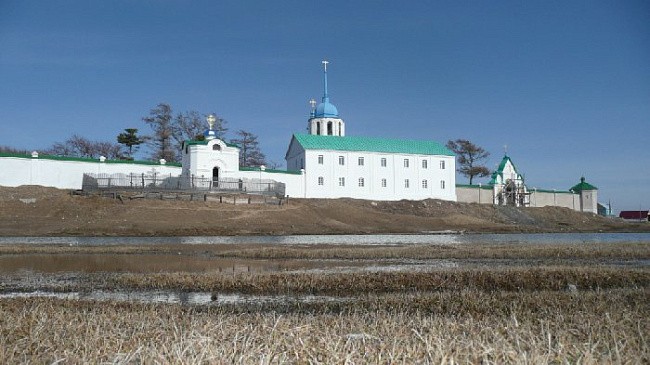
{"x":586,"y":251}
{"x":534,"y":328}
{"x":497,"y":279}
{"x":536,"y":313}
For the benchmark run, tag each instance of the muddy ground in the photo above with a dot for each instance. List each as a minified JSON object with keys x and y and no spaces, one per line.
{"x":40,"y":211}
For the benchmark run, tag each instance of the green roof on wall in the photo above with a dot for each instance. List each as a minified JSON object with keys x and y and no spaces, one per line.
{"x":369,"y":144}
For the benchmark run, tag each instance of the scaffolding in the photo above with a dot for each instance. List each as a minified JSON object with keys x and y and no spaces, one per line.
{"x":513,"y":194}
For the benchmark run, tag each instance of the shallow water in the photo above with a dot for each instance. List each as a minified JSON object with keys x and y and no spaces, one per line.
{"x":372,"y":239}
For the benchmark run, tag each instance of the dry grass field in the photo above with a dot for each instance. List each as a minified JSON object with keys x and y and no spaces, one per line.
{"x":494,"y":304}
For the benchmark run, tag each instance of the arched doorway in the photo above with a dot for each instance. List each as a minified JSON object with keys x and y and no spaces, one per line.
{"x":215,"y":177}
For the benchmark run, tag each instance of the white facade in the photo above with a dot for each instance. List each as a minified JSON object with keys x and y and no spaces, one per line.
{"x":373,"y":175}
{"x":211,"y":159}
{"x":508,"y":184}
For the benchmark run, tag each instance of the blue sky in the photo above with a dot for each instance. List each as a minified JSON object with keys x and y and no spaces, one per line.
{"x":564,"y":84}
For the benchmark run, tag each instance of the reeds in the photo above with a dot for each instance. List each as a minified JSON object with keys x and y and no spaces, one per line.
{"x":537,"y":328}
{"x":556,"y":304}
{"x":585,"y":251}
{"x":498,"y":279}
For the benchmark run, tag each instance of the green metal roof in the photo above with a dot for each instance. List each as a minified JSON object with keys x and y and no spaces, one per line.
{"x":191,"y":142}
{"x":499,"y":170}
{"x":583,"y":186}
{"x":483,"y":186}
{"x":369,"y":144}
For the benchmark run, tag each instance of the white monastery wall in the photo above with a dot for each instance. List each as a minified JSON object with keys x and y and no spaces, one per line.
{"x":294,"y":183}
{"x":68,"y":174}
{"x":554,"y":198}
{"x":474,"y":194}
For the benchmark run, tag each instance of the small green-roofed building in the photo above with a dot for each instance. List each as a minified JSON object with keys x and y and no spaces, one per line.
{"x":582,"y":186}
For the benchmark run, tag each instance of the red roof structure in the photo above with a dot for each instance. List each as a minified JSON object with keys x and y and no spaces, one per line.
{"x":634,"y":214}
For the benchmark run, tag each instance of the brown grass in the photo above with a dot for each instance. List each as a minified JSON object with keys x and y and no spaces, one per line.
{"x":536,"y":328}
{"x":490,"y":314}
{"x":585,"y":251}
{"x":499,"y":279}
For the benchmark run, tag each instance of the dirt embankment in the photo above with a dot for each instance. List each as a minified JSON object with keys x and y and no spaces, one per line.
{"x":32,"y":211}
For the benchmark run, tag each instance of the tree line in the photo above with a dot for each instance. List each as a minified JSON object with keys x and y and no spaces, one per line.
{"x":168,"y":132}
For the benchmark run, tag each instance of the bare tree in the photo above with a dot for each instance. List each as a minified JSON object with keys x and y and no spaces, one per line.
{"x":469,"y":157}
{"x":160,"y":120}
{"x":18,"y":151}
{"x":77,"y":146}
{"x":109,"y":150}
{"x":250,"y":154}
{"x":191,"y":125}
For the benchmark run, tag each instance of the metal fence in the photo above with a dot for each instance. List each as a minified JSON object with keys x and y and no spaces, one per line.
{"x":162,"y":182}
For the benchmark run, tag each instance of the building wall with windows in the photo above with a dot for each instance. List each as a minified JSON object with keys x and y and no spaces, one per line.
{"x":371,"y":174}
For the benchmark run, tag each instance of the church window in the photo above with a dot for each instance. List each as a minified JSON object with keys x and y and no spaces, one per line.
{"x":341,"y":181}
{"x":320,"y":159}
{"x":362,"y":182}
{"x":406,"y":162}
{"x":302,"y":163}
{"x":361,"y":161}
{"x":425,"y":164}
{"x":216,"y":147}
{"x":341,"y":160}
{"x":383,"y":162}
{"x":383,"y":183}
{"x":340,"y":128}
{"x":442,"y":164}
{"x":425,"y":184}
{"x":318,"y":128}
{"x":329,"y":129}
{"x":442,"y":184}
{"x":321,"y":181}
{"x":406,"y":183}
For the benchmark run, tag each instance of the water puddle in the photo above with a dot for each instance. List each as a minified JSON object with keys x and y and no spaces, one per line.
{"x":371,"y":239}
{"x":171,"y":297}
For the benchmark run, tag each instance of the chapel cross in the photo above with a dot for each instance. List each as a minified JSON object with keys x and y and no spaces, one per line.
{"x":325,"y":64}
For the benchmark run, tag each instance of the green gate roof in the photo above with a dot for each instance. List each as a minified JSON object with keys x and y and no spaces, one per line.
{"x":582,"y":186}
{"x":369,"y":144}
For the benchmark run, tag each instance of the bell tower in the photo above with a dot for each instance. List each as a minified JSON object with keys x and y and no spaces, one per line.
{"x":324,"y":119}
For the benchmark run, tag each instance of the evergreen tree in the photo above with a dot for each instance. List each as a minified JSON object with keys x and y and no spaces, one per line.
{"x":469,"y":156}
{"x":130,"y":139}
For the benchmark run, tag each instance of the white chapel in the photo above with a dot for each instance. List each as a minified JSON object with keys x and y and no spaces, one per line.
{"x":337,"y":165}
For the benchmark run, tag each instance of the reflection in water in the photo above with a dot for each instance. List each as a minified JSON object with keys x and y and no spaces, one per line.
{"x":372,"y":239}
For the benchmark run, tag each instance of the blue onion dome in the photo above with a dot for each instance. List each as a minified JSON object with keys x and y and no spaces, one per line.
{"x":326,"y":109}
{"x":209,"y":134}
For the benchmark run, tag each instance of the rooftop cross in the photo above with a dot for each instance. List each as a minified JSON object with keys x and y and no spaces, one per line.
{"x":326,"y":97}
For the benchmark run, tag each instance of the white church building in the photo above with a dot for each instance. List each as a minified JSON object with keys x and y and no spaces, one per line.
{"x":333,"y":165}
{"x":322,"y":163}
